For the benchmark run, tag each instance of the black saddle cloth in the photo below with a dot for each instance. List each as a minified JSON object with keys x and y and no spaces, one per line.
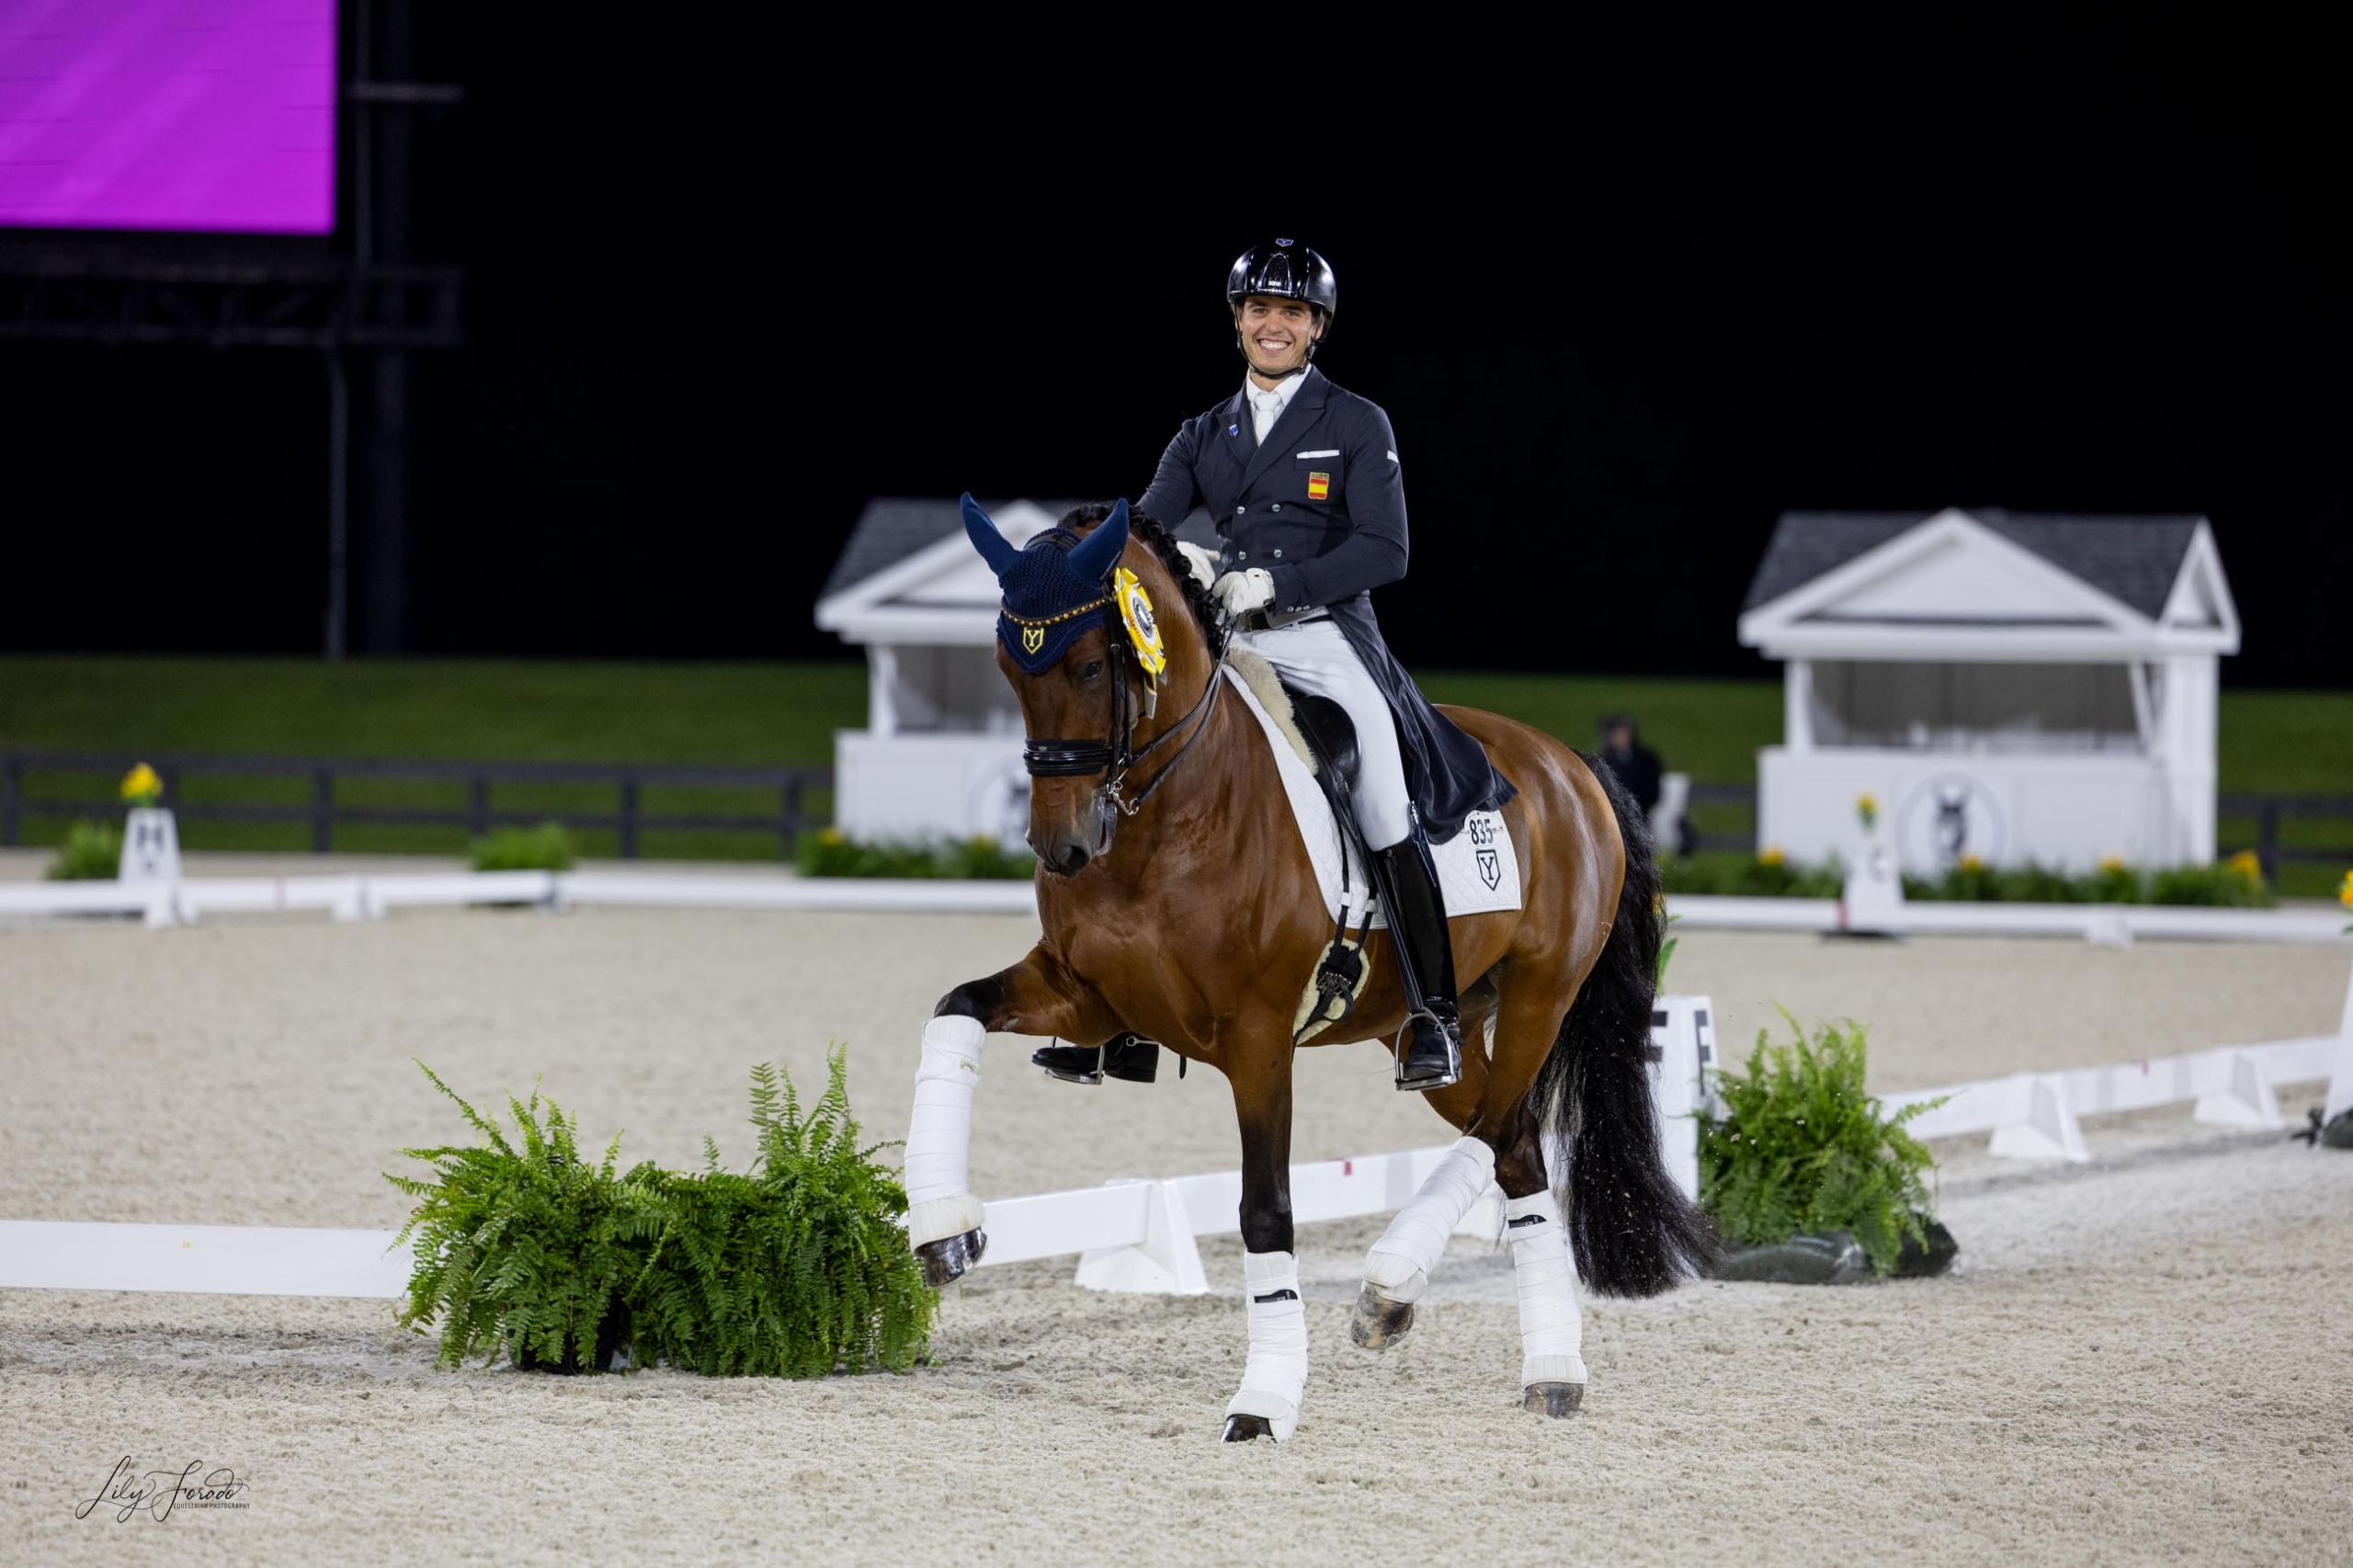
{"x":1330,"y":735}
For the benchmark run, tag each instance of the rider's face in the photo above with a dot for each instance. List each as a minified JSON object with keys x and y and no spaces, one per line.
{"x":1274,"y":333}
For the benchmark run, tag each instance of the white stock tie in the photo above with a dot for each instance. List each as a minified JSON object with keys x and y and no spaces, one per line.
{"x":1265,"y":407}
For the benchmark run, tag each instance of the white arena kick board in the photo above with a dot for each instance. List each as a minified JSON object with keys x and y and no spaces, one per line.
{"x":1478,"y":869}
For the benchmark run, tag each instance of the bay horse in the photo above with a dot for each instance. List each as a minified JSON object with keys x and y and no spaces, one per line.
{"x":1180,"y":904}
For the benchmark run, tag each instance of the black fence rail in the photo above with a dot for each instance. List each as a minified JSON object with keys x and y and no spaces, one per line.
{"x":325,"y":810}
{"x":2279,"y":820}
{"x":1740,"y":796}
{"x":2275,"y":818}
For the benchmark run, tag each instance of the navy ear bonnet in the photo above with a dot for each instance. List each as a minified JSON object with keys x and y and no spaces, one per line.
{"x":1054,"y":588}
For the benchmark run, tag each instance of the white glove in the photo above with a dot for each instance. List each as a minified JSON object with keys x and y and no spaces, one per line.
{"x":1203,"y":564}
{"x":1241,"y":592}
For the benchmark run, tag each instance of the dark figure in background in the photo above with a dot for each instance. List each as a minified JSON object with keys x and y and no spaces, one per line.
{"x":1636,"y":766}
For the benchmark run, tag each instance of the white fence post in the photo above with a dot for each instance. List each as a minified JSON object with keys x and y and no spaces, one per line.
{"x":2042,"y":1124}
{"x":2248,"y":1102}
{"x":1166,"y":1262}
{"x":2340,"y":1075}
{"x":1682,"y":1054}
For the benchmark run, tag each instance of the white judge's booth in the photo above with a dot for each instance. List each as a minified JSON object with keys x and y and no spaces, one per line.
{"x":941,"y":749}
{"x":2007,"y":687}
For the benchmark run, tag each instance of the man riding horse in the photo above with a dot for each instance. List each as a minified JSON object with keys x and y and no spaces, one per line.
{"x":1163,"y":829}
{"x":1304,"y":480}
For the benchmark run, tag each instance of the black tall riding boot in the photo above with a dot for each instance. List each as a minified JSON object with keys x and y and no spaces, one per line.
{"x":1408,"y":885}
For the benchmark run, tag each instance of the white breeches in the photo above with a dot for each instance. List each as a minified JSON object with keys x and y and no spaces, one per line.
{"x":1274,"y":1378}
{"x":1399,"y":1264}
{"x":1552,"y":1328}
{"x":1316,"y":656}
{"x":939,"y":1134}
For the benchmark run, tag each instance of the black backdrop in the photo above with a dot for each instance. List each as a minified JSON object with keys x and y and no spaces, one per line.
{"x":705,"y":324}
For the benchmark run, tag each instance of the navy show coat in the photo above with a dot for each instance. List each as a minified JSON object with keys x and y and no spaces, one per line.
{"x":1321,"y":506}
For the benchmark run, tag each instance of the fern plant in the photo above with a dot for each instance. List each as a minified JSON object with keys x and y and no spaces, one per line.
{"x":1800,"y":1146}
{"x":526,"y":1249}
{"x":796,"y":1269}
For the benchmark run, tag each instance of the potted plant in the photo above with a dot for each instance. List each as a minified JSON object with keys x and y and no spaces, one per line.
{"x":547,"y":847}
{"x":797,"y":1269}
{"x":91,"y":852}
{"x":526,"y":1249}
{"x":1807,"y":1179}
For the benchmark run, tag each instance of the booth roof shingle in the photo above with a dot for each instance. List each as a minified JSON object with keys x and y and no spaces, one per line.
{"x":893,"y":527}
{"x":2133,"y":560}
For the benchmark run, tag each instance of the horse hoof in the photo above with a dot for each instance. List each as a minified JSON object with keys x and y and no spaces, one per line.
{"x":1555,"y":1400}
{"x":1378,"y":1322}
{"x":945,"y":1261}
{"x":1247,"y":1429}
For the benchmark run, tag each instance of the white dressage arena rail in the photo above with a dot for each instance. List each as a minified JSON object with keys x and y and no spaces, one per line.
{"x":1140,"y":1235}
{"x":368,"y":896}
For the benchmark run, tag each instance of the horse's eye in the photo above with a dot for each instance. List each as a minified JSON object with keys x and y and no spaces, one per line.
{"x":1089,"y":670}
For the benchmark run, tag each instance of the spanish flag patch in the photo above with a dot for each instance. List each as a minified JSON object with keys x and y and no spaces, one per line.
{"x":1319,"y":486}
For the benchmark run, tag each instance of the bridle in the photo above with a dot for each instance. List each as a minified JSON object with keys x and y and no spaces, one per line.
{"x":1117,"y":753}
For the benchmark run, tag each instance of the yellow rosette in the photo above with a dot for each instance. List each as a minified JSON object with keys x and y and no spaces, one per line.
{"x":1143,"y":628}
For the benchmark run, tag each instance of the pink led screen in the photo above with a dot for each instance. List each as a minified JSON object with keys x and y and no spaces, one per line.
{"x":168,"y":114}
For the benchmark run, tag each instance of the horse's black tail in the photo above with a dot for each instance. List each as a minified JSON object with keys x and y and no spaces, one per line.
{"x":1633,"y":1232}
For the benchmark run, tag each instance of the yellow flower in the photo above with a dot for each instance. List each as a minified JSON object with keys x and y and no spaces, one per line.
{"x":140,"y":787}
{"x":830,"y":834}
{"x":1770,"y":854}
{"x":2344,"y":893}
{"x":2111,"y":863}
{"x":982,"y":841}
{"x":2247,"y":864}
{"x":1971,"y":863}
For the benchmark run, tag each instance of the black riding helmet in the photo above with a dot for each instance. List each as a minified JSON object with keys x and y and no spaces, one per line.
{"x":1284,"y":270}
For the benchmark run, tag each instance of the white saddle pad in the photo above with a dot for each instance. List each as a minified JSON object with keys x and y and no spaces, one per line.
{"x":1478,"y":869}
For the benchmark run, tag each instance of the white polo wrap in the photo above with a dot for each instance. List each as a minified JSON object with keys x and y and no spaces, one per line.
{"x":1400,"y":1263}
{"x":939,"y":1134}
{"x":1274,"y":1378}
{"x":1552,"y":1330}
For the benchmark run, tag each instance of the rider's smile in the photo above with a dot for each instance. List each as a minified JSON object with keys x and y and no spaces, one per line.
{"x":1278,"y":332}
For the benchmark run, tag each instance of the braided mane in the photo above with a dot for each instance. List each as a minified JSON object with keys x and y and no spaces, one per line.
{"x":1162,"y":542}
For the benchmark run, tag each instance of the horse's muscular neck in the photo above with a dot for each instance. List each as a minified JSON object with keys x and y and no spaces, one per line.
{"x":1194,"y":811}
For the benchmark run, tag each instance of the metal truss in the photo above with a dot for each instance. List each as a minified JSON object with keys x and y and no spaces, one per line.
{"x":281,"y":303}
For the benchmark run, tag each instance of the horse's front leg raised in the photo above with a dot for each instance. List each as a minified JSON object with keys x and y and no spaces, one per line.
{"x":1274,"y":1381}
{"x":1037,"y":996}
